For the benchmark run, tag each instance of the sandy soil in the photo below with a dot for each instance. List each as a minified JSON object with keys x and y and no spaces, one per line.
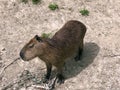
{"x":100,"y":65}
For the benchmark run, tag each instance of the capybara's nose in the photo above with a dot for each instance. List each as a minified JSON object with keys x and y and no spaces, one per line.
{"x":21,"y":55}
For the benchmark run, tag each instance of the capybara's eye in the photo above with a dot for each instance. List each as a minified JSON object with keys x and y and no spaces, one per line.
{"x":31,"y":45}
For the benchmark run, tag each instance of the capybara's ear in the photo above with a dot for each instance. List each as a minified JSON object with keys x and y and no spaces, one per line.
{"x":38,"y":38}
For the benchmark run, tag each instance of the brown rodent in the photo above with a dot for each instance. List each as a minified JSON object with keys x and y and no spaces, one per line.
{"x":55,"y":51}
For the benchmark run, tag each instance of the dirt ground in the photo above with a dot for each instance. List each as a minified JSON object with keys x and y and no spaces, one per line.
{"x":99,"y":68}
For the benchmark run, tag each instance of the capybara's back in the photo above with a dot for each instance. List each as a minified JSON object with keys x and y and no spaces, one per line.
{"x":73,"y":30}
{"x":70,"y":37}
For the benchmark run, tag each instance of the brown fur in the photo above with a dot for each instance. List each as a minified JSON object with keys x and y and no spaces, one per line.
{"x":64,"y":44}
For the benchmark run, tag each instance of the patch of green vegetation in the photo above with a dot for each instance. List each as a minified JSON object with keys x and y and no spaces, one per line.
{"x":53,"y":6}
{"x":25,"y":1}
{"x":36,"y":1}
{"x":84,"y":12}
{"x":45,"y":35}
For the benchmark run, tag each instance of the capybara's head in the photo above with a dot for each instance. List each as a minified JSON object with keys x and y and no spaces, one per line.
{"x":32,"y":49}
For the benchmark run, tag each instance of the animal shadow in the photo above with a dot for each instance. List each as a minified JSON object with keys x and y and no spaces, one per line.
{"x":73,"y":68}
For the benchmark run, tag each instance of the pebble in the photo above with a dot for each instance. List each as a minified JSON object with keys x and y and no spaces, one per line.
{"x":3,"y":49}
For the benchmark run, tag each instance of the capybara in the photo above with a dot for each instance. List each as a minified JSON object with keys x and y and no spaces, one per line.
{"x":56,"y":50}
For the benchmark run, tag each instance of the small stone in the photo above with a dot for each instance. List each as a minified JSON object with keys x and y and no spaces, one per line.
{"x":3,"y":49}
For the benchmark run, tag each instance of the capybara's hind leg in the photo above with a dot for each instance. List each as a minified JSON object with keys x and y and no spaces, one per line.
{"x":80,"y":51}
{"x":79,"y":54}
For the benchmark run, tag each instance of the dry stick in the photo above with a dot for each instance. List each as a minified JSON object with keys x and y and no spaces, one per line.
{"x":49,"y":86}
{"x":3,"y":69}
{"x":13,"y":83}
{"x":45,"y":87}
{"x":52,"y":84}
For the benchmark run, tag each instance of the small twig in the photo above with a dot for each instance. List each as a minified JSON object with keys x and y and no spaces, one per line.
{"x":5,"y":67}
{"x":13,"y":83}
{"x":44,"y":87}
{"x":51,"y":85}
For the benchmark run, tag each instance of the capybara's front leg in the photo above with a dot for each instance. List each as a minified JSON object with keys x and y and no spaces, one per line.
{"x":48,"y":74}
